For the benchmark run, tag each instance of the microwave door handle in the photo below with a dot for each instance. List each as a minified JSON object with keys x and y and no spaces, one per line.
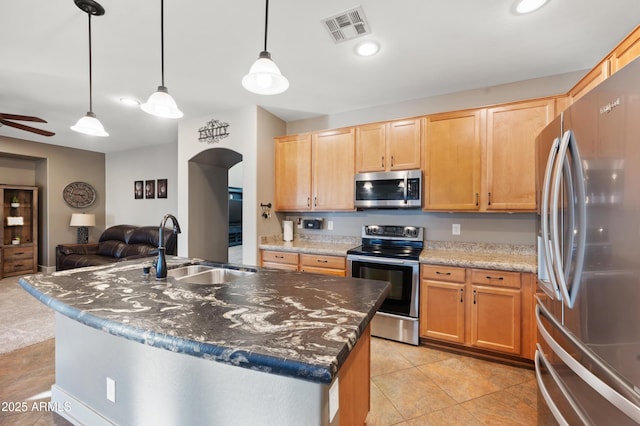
{"x":406,"y":189}
{"x":544,"y":216}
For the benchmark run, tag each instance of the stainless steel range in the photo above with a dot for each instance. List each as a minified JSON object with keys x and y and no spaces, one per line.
{"x":392,"y":253}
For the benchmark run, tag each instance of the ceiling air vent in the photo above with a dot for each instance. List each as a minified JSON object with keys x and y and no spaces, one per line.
{"x":347,"y":25}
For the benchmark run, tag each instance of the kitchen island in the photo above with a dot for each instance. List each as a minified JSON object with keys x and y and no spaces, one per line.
{"x":271,"y":347}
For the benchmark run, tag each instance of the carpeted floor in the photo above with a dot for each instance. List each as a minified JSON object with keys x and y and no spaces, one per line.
{"x":23,"y":319}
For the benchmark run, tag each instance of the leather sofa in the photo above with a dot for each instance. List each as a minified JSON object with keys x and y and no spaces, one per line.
{"x":117,"y":243}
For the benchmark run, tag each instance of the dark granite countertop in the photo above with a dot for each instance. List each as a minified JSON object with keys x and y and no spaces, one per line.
{"x":288,"y":323}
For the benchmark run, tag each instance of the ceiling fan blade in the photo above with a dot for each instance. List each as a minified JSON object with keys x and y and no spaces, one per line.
{"x":21,"y":117}
{"x":27,"y":128}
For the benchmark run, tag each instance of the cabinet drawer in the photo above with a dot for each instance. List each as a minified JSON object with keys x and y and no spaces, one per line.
{"x":18,"y":265}
{"x":320,"y":261}
{"x":443,"y":273}
{"x":269,"y":256}
{"x":496,"y":278}
{"x":283,"y":266}
{"x":18,"y":253}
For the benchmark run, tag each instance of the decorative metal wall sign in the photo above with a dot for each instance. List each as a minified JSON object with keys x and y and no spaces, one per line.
{"x":213,"y":132}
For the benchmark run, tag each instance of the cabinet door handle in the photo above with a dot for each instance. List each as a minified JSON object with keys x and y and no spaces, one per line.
{"x":474,"y":297}
{"x":489,"y":277}
{"x":477,"y":199}
{"x":315,"y":201}
{"x":489,"y":198}
{"x":382,"y":161}
{"x":308,"y":201}
{"x":392,"y":161}
{"x":443,"y":273}
{"x":461,"y":293}
{"x":279,"y":257}
{"x":322,"y":261}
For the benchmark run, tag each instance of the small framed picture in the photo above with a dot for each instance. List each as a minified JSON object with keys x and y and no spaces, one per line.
{"x":162,"y":188}
{"x":138,"y":190}
{"x":150,"y":189}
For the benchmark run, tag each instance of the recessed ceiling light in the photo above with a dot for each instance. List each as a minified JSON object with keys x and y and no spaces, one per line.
{"x":367,"y":48}
{"x":130,"y":101}
{"x":527,"y":6}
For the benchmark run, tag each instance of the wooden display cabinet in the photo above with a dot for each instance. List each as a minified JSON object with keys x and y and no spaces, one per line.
{"x":19,"y":235}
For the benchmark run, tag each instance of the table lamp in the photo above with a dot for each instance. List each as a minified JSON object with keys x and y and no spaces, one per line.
{"x":83,"y":221}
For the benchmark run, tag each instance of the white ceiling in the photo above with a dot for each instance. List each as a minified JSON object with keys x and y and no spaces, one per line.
{"x":428,"y":48}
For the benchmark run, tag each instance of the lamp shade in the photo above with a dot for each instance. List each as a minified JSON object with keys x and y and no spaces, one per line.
{"x":89,"y":125}
{"x":264,"y":77}
{"x":83,"y":219}
{"x":161,"y":104}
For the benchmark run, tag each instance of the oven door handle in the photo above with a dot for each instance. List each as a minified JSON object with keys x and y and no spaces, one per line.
{"x":380,"y":260}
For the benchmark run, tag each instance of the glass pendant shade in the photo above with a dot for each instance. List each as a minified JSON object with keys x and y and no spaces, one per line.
{"x":161,"y":104}
{"x":264,"y":77}
{"x":89,"y":125}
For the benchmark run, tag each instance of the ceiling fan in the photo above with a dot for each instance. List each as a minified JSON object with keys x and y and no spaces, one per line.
{"x":7,"y":120}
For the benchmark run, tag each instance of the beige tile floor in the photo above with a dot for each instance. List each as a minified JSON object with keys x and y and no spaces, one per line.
{"x":413,"y":386}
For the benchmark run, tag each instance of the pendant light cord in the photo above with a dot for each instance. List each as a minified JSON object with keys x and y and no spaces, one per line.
{"x":266,"y":23}
{"x":90,"y":79}
{"x":162,"y":39}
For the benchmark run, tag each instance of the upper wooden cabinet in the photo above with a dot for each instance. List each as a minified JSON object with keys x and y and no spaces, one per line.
{"x":394,"y":145}
{"x":591,"y":80}
{"x":315,"y":171}
{"x":510,"y":154}
{"x":333,"y":170}
{"x":483,"y":160}
{"x":626,"y":51}
{"x":452,"y":160}
{"x":293,"y":172}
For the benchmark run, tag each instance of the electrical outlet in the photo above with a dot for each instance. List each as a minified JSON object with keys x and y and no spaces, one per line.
{"x":111,"y":389}
{"x":455,"y":229}
{"x":330,"y":225}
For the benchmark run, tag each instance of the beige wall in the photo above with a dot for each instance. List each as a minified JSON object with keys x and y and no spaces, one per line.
{"x":148,"y":163}
{"x":51,"y":168}
{"x":251,"y":133}
{"x":535,"y":88}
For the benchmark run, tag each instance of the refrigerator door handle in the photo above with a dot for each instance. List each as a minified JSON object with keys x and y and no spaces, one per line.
{"x":562,"y":270}
{"x":551,"y":289}
{"x":540,"y":358}
{"x":607,"y":392}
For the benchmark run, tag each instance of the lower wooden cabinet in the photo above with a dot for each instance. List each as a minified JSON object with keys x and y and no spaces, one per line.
{"x":320,"y":264}
{"x":476,"y":308}
{"x":279,"y":260}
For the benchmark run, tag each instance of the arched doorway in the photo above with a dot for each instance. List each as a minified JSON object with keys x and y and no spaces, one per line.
{"x":209,"y":203}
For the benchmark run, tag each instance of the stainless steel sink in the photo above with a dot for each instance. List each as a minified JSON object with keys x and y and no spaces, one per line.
{"x":203,"y":274}
{"x":187,"y":270}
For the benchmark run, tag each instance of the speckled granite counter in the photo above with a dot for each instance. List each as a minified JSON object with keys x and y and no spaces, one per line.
{"x":286,"y":323}
{"x":506,"y":257}
{"x":336,"y":246}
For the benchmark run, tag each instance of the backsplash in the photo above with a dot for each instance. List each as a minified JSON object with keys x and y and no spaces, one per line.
{"x":492,"y":228}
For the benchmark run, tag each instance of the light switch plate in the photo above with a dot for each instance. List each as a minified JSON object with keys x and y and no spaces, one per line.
{"x":111,"y":389}
{"x":334,"y":399}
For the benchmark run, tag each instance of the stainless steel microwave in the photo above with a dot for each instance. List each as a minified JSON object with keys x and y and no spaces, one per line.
{"x":399,"y":189}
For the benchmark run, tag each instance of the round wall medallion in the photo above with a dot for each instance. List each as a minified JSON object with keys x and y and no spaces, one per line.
{"x":79,"y":194}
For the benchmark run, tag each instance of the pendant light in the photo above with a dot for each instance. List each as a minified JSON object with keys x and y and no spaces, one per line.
{"x":89,"y":124}
{"x":264,"y":77}
{"x":161,"y":103}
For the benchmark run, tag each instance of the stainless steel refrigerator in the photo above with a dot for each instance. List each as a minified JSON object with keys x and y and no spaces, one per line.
{"x":588,"y":300}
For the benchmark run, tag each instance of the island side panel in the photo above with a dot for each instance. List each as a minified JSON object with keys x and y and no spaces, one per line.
{"x":157,"y":386}
{"x":355,"y":383}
